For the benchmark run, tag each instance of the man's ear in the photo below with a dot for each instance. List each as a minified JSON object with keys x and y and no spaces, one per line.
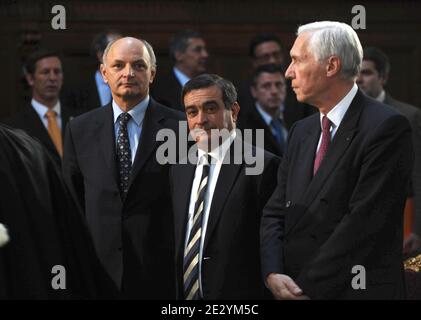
{"x":235,"y":109}
{"x":253,"y":91}
{"x":384,"y":79}
{"x":103,"y":72}
{"x":333,"y":66}
{"x":179,"y":56}
{"x":153,"y":74}
{"x":30,"y":79}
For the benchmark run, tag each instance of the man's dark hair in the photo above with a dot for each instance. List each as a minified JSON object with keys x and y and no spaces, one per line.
{"x":379,"y":58}
{"x":100,"y":42}
{"x":261,"y":38}
{"x":180,"y":41}
{"x":268,"y":68}
{"x":206,"y":80}
{"x":33,"y":58}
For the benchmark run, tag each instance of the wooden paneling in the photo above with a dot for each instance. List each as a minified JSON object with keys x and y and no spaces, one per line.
{"x":227,"y":26}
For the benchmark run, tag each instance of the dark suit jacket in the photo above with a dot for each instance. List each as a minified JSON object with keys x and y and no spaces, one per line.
{"x":293,"y":112}
{"x":413,"y":114}
{"x":167,"y":90}
{"x":134,"y":239}
{"x":28,"y":120}
{"x":253,"y":120}
{"x":84,"y":96}
{"x":315,"y":229}
{"x":231,"y":264}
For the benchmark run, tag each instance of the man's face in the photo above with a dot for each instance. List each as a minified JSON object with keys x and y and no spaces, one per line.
{"x":307,"y":74}
{"x":269,"y":91}
{"x":205,"y":111}
{"x":47,"y":80}
{"x":128,"y":70}
{"x":369,"y":80}
{"x":194,"y":58}
{"x":268,"y":53}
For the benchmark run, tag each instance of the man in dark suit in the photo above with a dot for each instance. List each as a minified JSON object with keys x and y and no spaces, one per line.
{"x":46,"y":117}
{"x":266,"y":49}
{"x":217,"y":202}
{"x":333,"y":227}
{"x":269,"y":91}
{"x":188,"y":51}
{"x":110,"y":164}
{"x":373,"y":77}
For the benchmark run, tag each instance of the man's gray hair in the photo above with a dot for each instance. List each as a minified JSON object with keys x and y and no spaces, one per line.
{"x":147,"y":46}
{"x":332,"y":38}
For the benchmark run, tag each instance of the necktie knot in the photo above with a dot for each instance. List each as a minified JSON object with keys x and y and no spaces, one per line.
{"x":51,"y":114}
{"x":124,"y":118}
{"x":326,"y":124}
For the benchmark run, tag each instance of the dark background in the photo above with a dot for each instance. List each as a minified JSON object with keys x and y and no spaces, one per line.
{"x":227,"y":26}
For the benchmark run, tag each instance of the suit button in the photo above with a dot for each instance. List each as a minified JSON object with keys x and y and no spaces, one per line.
{"x":288,"y":204}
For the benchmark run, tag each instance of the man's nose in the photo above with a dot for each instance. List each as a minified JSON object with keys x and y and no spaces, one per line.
{"x":289,"y":74}
{"x":129,"y":71}
{"x":202,"y":117}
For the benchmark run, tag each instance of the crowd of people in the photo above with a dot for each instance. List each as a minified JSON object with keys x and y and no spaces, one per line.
{"x":82,"y":186}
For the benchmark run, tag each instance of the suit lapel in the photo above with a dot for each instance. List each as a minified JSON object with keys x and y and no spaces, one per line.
{"x":147,"y":143}
{"x":183,"y":181}
{"x":338,"y":146}
{"x":226,"y":179}
{"x":106,"y":137}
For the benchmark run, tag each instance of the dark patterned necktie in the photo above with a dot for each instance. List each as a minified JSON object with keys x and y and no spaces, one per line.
{"x":124,"y":154}
{"x":191,"y":252}
{"x":326,"y":124}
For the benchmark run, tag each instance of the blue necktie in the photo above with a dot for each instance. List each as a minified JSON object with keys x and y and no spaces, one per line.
{"x":277,"y":131}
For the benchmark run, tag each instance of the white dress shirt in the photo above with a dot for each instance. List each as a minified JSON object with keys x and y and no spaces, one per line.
{"x":135,"y":124}
{"x":41,"y":110}
{"x":337,"y":114}
{"x":217,"y":156}
{"x":181,"y":77}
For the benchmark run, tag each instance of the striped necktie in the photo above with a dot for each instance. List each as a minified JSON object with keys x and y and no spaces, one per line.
{"x":191,"y":252}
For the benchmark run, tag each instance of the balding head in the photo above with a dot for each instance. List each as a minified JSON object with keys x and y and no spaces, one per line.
{"x":129,"y":68}
{"x":134,"y":44}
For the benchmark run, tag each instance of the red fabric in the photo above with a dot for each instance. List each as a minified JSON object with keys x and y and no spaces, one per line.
{"x":326,"y":124}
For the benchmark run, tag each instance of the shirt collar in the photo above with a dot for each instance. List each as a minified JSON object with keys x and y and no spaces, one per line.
{"x":381,"y":96}
{"x":219,"y":152}
{"x":181,"y":77}
{"x":337,"y":114}
{"x":266,"y":116}
{"x":42,"y":109}
{"x":137,"y":113}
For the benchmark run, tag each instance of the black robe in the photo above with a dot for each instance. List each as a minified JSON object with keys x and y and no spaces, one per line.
{"x":45,"y":228}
